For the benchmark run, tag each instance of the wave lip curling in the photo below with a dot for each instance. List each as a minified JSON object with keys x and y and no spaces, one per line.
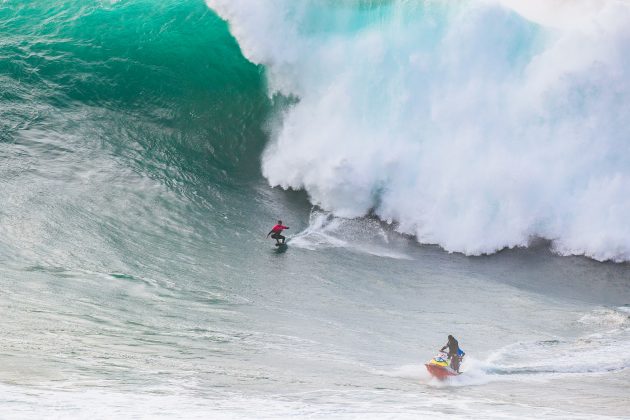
{"x":475,"y":126}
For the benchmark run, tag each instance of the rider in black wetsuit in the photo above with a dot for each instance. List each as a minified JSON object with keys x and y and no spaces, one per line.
{"x":453,"y":349}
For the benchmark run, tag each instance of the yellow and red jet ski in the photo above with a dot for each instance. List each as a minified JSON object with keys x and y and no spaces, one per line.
{"x":439,"y":366}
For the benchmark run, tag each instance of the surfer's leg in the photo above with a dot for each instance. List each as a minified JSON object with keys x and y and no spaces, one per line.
{"x":455,"y":362}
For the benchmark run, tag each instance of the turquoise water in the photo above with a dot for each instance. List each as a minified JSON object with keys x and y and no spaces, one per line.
{"x":136,"y":144}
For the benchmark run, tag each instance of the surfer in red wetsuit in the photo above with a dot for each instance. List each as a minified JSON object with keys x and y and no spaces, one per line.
{"x":277,"y":231}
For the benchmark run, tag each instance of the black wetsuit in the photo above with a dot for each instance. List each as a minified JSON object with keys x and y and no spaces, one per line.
{"x":453,"y":350}
{"x":278,"y":237}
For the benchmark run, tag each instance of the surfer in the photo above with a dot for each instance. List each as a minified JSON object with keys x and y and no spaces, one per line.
{"x":277,"y":231}
{"x":453,"y":352}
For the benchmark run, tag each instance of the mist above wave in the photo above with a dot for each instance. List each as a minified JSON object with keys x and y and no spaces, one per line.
{"x":473,"y":125}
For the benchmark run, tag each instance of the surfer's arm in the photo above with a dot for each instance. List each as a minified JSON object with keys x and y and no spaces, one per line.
{"x":270,"y":232}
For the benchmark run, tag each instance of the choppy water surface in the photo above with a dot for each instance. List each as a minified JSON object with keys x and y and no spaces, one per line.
{"x":136,"y":280}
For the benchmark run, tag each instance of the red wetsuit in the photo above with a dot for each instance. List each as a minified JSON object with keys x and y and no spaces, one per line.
{"x":278,"y":228}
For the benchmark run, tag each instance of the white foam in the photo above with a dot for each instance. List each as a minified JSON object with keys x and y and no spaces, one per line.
{"x":568,"y":14}
{"x":474,"y":372}
{"x":604,"y":349}
{"x":608,"y":317}
{"x":476,"y":125}
{"x":359,"y":235}
{"x":602,"y":352}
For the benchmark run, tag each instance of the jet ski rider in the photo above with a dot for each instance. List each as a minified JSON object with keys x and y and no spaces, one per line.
{"x":453,"y":350}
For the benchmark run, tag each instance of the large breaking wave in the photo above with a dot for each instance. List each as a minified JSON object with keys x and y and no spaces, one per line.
{"x":163,"y":83}
{"x":473,"y":125}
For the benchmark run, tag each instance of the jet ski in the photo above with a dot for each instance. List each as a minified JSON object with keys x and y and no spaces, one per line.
{"x":439,"y":366}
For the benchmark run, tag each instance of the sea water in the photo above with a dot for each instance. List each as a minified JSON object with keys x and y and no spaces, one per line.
{"x":444,"y":167}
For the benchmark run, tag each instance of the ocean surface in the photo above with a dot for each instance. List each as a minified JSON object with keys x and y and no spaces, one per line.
{"x":445,"y":168}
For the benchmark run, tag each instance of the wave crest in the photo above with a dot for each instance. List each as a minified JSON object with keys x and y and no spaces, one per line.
{"x":470,"y":125}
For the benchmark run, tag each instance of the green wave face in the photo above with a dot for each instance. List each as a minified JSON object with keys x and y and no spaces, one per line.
{"x":164,"y":79}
